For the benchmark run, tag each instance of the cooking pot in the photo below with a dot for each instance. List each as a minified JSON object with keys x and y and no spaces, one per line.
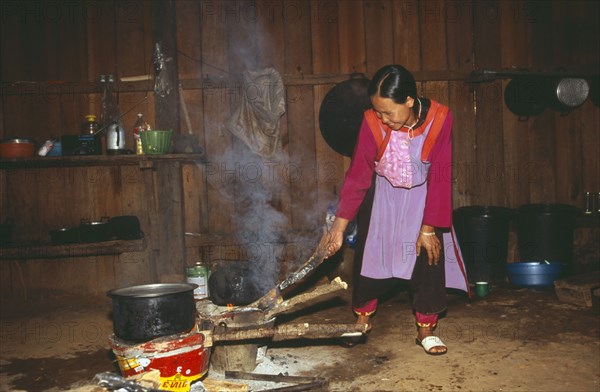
{"x":141,"y":313}
{"x":95,"y":231}
{"x":526,"y":95}
{"x":566,"y":94}
{"x":125,"y":227}
{"x":17,"y":148}
{"x":236,"y":283}
{"x":65,"y":235}
{"x":341,"y":113}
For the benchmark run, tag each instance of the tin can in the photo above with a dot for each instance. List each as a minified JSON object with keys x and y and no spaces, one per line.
{"x":198,"y":274}
{"x":181,"y":359}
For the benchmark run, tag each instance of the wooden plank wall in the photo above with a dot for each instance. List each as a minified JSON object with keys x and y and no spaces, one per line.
{"x":52,"y":56}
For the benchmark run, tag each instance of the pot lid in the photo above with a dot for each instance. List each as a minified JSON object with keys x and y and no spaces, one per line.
{"x":152,"y":290}
{"x":572,"y":92}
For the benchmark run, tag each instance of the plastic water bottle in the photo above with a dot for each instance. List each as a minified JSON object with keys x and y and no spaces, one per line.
{"x":350,"y":234}
{"x":330,"y":216}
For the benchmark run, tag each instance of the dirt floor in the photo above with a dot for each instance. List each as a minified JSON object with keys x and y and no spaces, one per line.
{"x":512,"y":340}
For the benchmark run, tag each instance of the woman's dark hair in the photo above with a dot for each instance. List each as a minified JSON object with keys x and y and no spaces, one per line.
{"x":393,"y":81}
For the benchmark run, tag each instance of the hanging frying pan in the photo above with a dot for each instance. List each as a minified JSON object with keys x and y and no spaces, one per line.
{"x":526,"y":96}
{"x":341,"y":113}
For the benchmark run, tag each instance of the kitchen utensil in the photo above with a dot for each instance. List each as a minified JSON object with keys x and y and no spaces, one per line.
{"x":115,"y":139}
{"x":341,"y":113}
{"x":235,"y":283}
{"x":270,"y":299}
{"x":545,"y":232}
{"x":482,"y":289}
{"x":182,"y":143}
{"x":526,"y":96}
{"x":567,"y":94}
{"x":17,"y":148}
{"x":65,"y":235}
{"x":144,"y":312}
{"x":95,"y":231}
{"x":125,"y":227}
{"x":156,"y":141}
{"x":482,"y":232}
{"x":533,"y":273}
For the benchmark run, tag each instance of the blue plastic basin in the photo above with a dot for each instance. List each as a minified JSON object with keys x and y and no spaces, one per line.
{"x":533,"y":273}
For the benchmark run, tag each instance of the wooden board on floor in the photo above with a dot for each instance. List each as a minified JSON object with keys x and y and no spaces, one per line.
{"x":214,"y":385}
{"x":578,"y":289}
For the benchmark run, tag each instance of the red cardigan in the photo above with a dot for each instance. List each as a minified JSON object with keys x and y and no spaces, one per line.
{"x":438,"y":206}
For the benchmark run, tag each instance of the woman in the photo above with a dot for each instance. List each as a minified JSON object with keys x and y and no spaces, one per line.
{"x":399,"y":185}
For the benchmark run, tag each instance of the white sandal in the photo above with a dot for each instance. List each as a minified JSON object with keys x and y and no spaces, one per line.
{"x":430,"y":342}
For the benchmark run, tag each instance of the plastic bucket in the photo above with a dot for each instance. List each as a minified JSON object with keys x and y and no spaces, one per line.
{"x":545,"y":232}
{"x":482,"y":233}
{"x":533,"y":274}
{"x":156,"y":141}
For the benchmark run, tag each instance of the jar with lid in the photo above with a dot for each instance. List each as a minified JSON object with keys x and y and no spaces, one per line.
{"x":198,"y":274}
{"x":90,"y":125}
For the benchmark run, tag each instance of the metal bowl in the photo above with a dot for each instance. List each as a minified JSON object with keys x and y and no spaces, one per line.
{"x":17,"y":148}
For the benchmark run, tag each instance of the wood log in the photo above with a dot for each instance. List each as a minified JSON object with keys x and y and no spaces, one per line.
{"x":321,"y":292}
{"x":290,"y":331}
{"x":214,"y":385}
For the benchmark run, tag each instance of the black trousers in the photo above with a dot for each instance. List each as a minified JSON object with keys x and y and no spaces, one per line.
{"x":427,"y":284}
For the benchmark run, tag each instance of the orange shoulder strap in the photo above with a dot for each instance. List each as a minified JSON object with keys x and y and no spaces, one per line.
{"x":375,"y":125}
{"x":439,"y":117}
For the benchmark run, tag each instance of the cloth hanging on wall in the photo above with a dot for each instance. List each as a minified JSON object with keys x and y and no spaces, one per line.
{"x":256,"y":120}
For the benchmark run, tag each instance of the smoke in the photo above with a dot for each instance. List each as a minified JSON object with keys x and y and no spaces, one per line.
{"x":262,"y":229}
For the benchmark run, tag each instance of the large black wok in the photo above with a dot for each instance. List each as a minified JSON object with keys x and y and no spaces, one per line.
{"x":341,"y":113}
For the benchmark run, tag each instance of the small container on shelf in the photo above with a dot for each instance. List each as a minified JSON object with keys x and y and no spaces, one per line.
{"x":140,"y":126}
{"x":90,"y":125}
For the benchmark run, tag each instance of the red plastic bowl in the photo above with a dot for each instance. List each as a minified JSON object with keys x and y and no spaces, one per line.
{"x":17,"y":148}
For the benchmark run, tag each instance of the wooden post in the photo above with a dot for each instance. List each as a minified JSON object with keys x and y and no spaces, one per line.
{"x":170,"y":231}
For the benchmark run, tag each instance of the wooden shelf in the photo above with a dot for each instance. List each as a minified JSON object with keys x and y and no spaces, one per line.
{"x":41,"y":250}
{"x":489,"y":75}
{"x":97,"y":160}
{"x":211,"y":82}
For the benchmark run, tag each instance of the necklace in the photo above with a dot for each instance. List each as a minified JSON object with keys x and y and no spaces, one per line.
{"x":411,"y":131}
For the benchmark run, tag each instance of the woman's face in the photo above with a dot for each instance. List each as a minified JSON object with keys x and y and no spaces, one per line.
{"x":394,"y":115}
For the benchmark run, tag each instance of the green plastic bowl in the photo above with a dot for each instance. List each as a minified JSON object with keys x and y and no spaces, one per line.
{"x":156,"y":141}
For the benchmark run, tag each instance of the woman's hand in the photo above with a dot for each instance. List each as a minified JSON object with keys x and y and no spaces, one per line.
{"x":428,"y":240}
{"x":332,"y":240}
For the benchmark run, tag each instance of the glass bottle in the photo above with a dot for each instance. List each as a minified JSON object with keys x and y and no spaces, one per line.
{"x":138,"y":128}
{"x":587,"y":204}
